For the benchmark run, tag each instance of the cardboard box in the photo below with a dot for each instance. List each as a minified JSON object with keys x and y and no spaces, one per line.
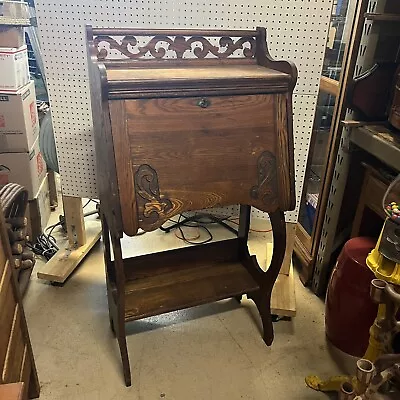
{"x":38,"y":212}
{"x":28,"y":169}
{"x":14,"y":68}
{"x":14,"y":9}
{"x":19,"y":122}
{"x":12,"y":36}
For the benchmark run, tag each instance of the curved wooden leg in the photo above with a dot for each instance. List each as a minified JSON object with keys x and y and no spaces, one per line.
{"x":266,"y":318}
{"x":119,"y":316}
{"x":121,"y":336}
{"x":110,"y":274}
{"x":262,"y":298}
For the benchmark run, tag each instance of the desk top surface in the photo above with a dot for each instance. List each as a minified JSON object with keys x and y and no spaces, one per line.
{"x":197,"y":73}
{"x":195,"y":80}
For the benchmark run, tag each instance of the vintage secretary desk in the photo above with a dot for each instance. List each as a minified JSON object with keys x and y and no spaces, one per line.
{"x":186,"y":120}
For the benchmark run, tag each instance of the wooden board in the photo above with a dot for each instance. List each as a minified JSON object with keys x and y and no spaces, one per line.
{"x":196,"y":73}
{"x":329,"y":85}
{"x":64,"y":262}
{"x":184,"y":277}
{"x":74,"y":220}
{"x":195,"y":286}
{"x":290,"y":237}
{"x":15,"y":350}
{"x":283,"y":300}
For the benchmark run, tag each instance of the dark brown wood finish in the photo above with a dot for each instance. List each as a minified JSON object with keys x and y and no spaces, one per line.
{"x":156,"y":45}
{"x":204,"y":80}
{"x":161,"y":142}
{"x":104,"y":146}
{"x":180,"y":134}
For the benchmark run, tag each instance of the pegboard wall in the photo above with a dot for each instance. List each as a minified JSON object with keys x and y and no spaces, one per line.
{"x":297,"y":31}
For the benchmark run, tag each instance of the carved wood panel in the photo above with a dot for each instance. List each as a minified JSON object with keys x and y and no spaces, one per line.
{"x":151,"y":204}
{"x":267,"y":187}
{"x":173,"y":155}
{"x":157,"y":47}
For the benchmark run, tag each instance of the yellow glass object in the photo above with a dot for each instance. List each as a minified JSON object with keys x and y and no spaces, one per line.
{"x":382,"y":267}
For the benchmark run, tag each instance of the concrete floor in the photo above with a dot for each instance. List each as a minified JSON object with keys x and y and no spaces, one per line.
{"x":208,"y":352}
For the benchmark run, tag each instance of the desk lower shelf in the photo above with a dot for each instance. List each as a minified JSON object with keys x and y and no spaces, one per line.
{"x":182,"y":278}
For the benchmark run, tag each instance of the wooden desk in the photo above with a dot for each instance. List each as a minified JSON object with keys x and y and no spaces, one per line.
{"x":176,"y":134}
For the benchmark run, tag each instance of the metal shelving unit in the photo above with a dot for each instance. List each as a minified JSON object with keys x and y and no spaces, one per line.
{"x":369,"y":51}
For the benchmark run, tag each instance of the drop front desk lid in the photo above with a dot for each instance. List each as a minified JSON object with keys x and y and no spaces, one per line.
{"x":180,"y":81}
{"x":206,"y":126}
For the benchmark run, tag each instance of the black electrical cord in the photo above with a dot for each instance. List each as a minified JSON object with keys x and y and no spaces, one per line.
{"x":199,"y":220}
{"x":46,"y":244}
{"x":196,"y":221}
{"x":204,"y":228}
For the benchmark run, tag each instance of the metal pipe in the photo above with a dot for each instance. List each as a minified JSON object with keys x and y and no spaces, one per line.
{"x":347,"y":391}
{"x":364,"y":374}
{"x":377,"y":290}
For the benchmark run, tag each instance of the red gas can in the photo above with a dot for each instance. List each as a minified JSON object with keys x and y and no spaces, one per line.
{"x":349,"y":311}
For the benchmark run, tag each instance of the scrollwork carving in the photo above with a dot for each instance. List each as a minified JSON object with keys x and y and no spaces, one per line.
{"x":267,"y":188}
{"x":157,"y":47}
{"x":152,"y":205}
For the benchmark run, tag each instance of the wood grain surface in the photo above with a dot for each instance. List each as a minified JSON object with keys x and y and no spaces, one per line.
{"x":196,"y":73}
{"x":123,"y":161}
{"x":185,"y":277}
{"x":189,"y":134}
{"x":329,"y":85}
{"x":203,"y":157}
{"x":16,"y":357}
{"x":15,"y":350}
{"x":284,"y":153}
{"x":7,"y":307}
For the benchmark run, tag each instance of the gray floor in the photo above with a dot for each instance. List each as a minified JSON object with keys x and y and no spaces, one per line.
{"x":208,"y":352}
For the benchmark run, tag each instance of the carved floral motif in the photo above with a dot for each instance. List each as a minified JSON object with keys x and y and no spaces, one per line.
{"x":152,"y":205}
{"x":159,"y":45}
{"x":267,"y":187}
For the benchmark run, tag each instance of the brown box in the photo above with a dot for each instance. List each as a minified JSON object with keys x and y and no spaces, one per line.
{"x":19,"y":122}
{"x":38,"y":212}
{"x":11,"y":36}
{"x":14,"y":68}
{"x":28,"y":169}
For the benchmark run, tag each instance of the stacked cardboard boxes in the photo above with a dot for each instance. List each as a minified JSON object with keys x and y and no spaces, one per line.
{"x":20,"y":158}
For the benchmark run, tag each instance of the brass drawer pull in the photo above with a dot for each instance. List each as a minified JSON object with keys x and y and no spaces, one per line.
{"x":203,"y":103}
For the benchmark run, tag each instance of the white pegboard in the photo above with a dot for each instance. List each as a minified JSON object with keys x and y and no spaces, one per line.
{"x":297,"y":31}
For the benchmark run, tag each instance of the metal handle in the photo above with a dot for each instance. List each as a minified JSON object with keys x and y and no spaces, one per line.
{"x":203,"y":103}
